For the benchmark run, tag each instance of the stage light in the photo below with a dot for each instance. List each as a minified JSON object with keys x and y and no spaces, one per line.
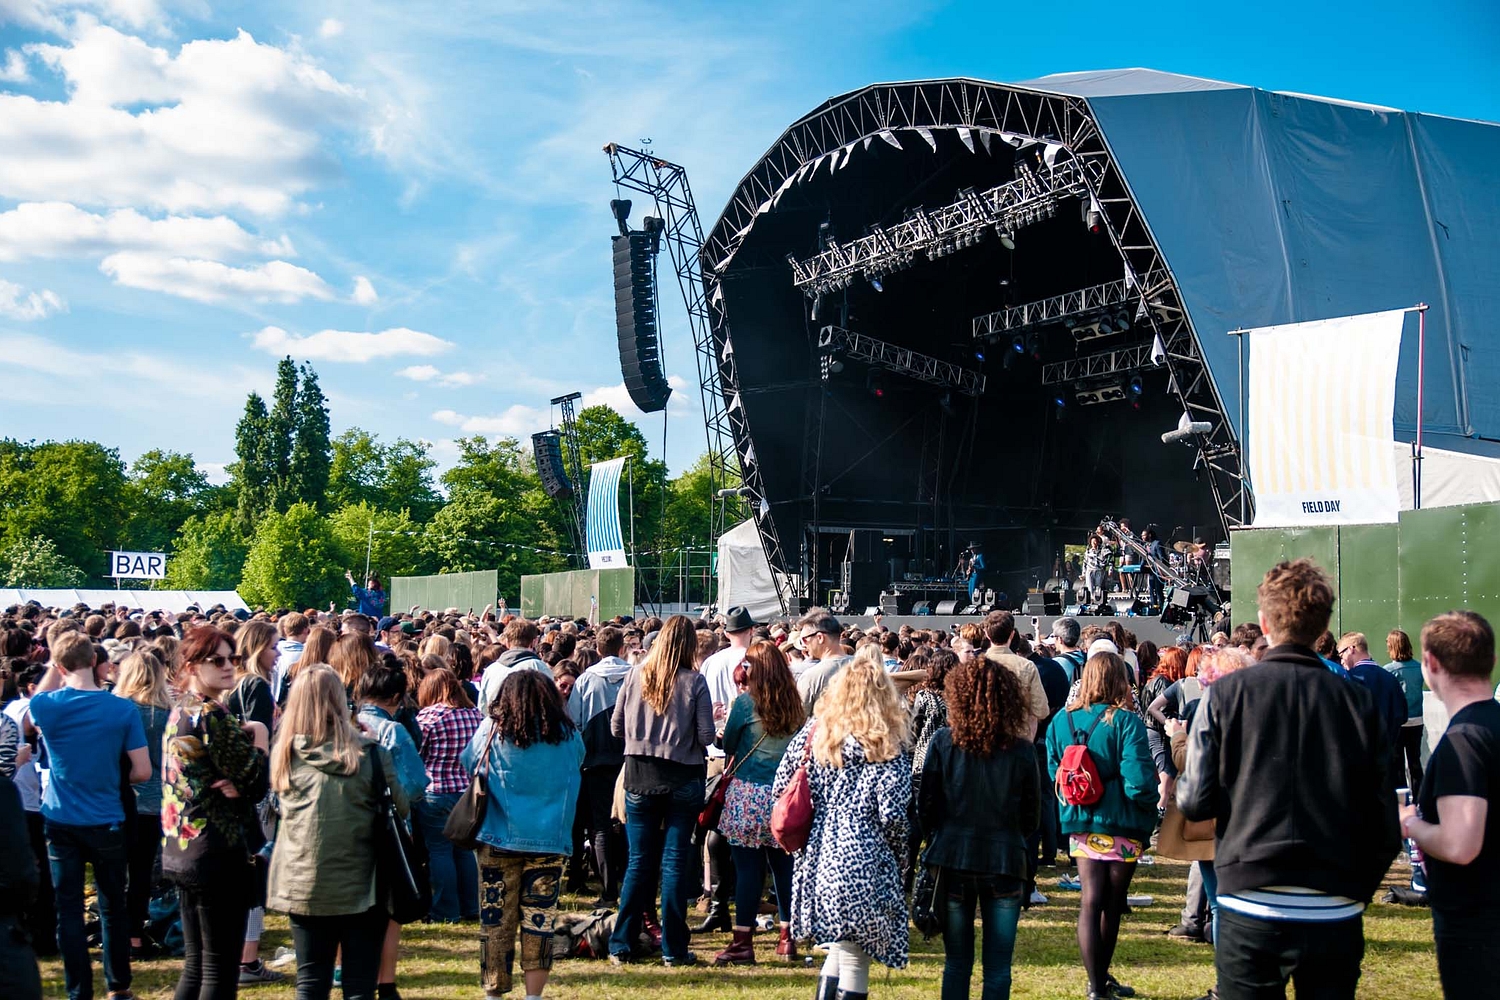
{"x":1122,"y":320}
{"x":1105,"y":329}
{"x":1136,"y":387}
{"x":875,"y":383}
{"x":816,"y":306}
{"x":1018,"y":344}
{"x":1008,"y":240}
{"x":1034,"y":346}
{"x":835,"y":366}
{"x":978,"y":355}
{"x":1091,"y":216}
{"x":875,"y":284}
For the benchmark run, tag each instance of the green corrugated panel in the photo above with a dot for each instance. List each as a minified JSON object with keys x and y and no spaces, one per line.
{"x":1369,"y":582}
{"x":1448,"y":562}
{"x":571,"y":594}
{"x":616,"y":592}
{"x":1254,"y":550}
{"x":445,"y":590}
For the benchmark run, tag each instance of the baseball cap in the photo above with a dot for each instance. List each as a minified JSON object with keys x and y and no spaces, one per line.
{"x":387,"y":623}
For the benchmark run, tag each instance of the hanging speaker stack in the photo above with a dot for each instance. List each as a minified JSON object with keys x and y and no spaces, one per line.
{"x":547,"y":446}
{"x":635,"y":319}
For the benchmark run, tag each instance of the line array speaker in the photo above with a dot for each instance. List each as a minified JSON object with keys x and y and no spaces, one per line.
{"x":547,"y":447}
{"x":635,"y":320}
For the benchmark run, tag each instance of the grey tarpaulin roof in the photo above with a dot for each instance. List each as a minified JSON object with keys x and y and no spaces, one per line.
{"x":1278,"y":208}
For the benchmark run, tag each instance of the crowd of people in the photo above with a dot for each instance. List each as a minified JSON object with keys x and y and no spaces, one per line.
{"x":828,"y":784}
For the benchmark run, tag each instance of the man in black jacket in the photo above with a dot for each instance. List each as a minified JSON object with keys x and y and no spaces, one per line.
{"x":1291,"y":762}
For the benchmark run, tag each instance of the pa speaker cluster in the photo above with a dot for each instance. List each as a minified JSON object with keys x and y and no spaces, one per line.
{"x":635,"y":320}
{"x":547,"y":447}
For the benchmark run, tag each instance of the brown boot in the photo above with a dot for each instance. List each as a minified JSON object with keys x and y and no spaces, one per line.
{"x":741,"y":950}
{"x":786,"y":947}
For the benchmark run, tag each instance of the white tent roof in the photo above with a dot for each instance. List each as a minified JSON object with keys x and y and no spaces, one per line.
{"x":146,"y":600}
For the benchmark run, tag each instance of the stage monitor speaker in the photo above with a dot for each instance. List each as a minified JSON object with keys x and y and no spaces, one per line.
{"x":1036,"y":603}
{"x":546,"y":446}
{"x":1052,"y":603}
{"x":635,"y":321}
{"x":922,"y":608}
{"x":864,"y":579}
{"x":946,"y":607}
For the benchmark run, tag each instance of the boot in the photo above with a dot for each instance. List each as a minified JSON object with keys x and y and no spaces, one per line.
{"x":828,"y":987}
{"x":741,"y":950}
{"x":717,"y":920}
{"x":786,"y":947}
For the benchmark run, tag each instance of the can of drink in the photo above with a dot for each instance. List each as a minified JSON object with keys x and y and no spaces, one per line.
{"x":1413,"y":850}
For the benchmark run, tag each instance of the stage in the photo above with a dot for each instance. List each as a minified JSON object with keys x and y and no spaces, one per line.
{"x":1144,"y":628}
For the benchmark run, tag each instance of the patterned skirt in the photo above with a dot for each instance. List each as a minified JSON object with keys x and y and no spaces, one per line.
{"x":746,"y":821}
{"x":1104,"y":847}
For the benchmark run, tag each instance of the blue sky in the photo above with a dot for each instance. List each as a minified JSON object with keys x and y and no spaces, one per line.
{"x":412,"y":195}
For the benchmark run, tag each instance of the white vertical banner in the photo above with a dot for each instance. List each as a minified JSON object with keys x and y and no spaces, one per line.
{"x":1322,"y":396}
{"x":605,"y":542}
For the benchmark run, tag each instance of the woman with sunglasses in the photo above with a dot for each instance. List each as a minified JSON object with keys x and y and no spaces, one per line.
{"x":214,"y":770}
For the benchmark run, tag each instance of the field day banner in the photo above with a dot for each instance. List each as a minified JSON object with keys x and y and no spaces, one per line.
{"x":1322,"y":395}
{"x":606,"y":545}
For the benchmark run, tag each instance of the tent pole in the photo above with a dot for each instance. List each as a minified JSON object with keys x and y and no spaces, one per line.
{"x":1416,"y":458}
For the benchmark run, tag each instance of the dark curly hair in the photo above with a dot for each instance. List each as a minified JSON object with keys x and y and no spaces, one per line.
{"x":986,"y":708}
{"x":530,"y":710}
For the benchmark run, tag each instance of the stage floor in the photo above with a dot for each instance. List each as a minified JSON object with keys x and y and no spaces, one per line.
{"x":1144,"y":628}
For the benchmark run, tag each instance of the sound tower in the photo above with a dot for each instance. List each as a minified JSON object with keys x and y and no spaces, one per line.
{"x":547,"y":447}
{"x":635,"y":320}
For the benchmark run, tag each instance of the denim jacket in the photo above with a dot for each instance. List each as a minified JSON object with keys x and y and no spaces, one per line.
{"x":392,"y":735}
{"x":533,"y":792}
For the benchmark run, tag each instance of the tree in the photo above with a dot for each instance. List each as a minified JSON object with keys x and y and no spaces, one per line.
{"x":35,"y":562}
{"x":406,"y":479}
{"x":308,"y":470}
{"x":294,"y":561}
{"x":395,"y":547}
{"x":397,"y":476}
{"x":165,"y":489}
{"x":281,"y":424}
{"x":71,"y":492}
{"x":354,"y":473}
{"x":250,"y":471}
{"x":207,"y":554}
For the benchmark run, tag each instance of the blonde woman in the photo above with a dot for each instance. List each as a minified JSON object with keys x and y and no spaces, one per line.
{"x":665,"y":715}
{"x":848,"y":883}
{"x":143,"y":680}
{"x":436,"y":645}
{"x":317,"y":648}
{"x":322,"y":768}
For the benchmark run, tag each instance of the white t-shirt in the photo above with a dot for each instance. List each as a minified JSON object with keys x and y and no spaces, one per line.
{"x":718,"y":671}
{"x":28,"y":777}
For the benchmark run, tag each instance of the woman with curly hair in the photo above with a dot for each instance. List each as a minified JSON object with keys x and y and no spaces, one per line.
{"x":979,"y":799}
{"x":847,"y":882}
{"x":533,"y":753}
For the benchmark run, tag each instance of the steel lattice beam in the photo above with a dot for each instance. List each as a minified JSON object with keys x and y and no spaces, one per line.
{"x":1082,"y":302}
{"x":904,"y":361}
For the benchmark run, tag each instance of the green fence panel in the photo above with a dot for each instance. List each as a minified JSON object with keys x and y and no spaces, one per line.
{"x":1448,"y":562}
{"x":446,"y":590}
{"x":571,"y":594}
{"x":1252,"y":551}
{"x":1369,"y":585}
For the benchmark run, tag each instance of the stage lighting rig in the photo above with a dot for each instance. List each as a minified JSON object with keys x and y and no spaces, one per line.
{"x":1109,"y":302}
{"x":835,"y":340}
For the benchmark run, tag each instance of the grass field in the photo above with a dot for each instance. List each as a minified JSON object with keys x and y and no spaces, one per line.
{"x":442,"y":962}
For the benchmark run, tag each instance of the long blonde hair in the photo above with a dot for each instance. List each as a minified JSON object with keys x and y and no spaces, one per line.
{"x":143,"y":679}
{"x":674,"y":649}
{"x":317,"y":709}
{"x":435,"y":645}
{"x":252,"y":639}
{"x":861,"y":702}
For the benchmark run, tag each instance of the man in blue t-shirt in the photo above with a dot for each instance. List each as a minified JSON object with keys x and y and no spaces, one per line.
{"x":88,"y":734}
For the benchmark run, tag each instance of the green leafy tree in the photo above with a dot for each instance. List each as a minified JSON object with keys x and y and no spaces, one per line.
{"x":281,"y":425}
{"x":308,"y":468}
{"x":251,"y":470}
{"x":406,"y":479}
{"x":397,"y":476}
{"x":207,"y":554}
{"x":395,"y":545}
{"x":294,"y":561}
{"x":354,"y":475}
{"x":35,"y":562}
{"x":71,"y":492}
{"x":165,"y":489}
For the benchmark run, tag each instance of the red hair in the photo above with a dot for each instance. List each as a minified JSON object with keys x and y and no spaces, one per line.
{"x":203,"y":641}
{"x":1170,"y":663}
{"x":1194,"y":657}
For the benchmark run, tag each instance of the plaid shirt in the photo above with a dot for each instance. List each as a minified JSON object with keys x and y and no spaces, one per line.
{"x":446,"y":731}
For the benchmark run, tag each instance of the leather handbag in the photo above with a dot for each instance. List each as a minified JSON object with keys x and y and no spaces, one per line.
{"x":467,"y":817}
{"x":713,"y":803}
{"x":792,"y":815}
{"x":397,"y":861}
{"x":925,"y":897}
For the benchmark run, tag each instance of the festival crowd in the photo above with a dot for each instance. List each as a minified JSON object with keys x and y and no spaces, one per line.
{"x":827,"y":786}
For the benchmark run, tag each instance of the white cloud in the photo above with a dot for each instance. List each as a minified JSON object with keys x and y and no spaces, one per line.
{"x":212,"y":282}
{"x":222,"y":124}
{"x":430,"y":373}
{"x":17,"y":303}
{"x":52,"y":15}
{"x":521,"y":421}
{"x":58,"y":229}
{"x":158,"y":382}
{"x":331,"y":27}
{"x":13,"y":70}
{"x":341,"y":345}
{"x":217,"y":472}
{"x":364,"y":292}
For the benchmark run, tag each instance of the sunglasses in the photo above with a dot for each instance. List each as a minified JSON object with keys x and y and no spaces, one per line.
{"x":219,"y":661}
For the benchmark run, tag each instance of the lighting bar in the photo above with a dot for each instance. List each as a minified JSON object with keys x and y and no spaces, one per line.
{"x":1082,"y":302}
{"x":1120,"y":361}
{"x":935,"y":233}
{"x":901,"y":360}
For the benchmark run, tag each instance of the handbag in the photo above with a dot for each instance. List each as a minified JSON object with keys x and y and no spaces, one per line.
{"x":467,"y":817}
{"x":1185,"y":840}
{"x":925,"y":897}
{"x":718,"y":787}
{"x":397,"y":884}
{"x":792,"y":815}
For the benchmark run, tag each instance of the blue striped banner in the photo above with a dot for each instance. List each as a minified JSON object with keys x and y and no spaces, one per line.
{"x":606,"y":545}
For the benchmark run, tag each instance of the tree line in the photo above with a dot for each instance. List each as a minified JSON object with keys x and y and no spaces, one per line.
{"x":301,"y":506}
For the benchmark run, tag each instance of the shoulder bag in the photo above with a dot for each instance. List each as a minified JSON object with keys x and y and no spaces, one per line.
{"x":467,"y":817}
{"x":926,"y":901}
{"x":398,"y":885}
{"x":792,"y":815}
{"x":713,"y":803}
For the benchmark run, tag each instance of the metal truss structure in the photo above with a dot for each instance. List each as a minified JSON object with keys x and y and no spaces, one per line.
{"x":938,"y":232}
{"x":574,"y":458}
{"x":1103,"y":365}
{"x":1023,"y":119}
{"x":1085,"y":301}
{"x":682,"y":232}
{"x":901,"y":360}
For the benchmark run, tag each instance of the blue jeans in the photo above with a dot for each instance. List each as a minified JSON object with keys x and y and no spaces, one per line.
{"x":1211,"y":891}
{"x":998,"y":900}
{"x":454,"y":873}
{"x":750,"y":879}
{"x":660,"y":831}
{"x":69,"y":849}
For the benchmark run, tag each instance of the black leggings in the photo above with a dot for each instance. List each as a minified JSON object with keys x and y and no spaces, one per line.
{"x":1106,"y":884}
{"x":141,"y":866}
{"x":318,"y":940}
{"x":213,"y":935}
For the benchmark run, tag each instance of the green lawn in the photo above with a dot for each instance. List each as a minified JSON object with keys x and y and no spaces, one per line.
{"x":443,"y":961}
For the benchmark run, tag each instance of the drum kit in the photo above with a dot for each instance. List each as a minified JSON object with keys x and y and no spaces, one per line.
{"x":1194,"y":561}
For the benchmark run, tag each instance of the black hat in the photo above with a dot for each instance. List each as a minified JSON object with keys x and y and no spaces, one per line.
{"x":738,"y":618}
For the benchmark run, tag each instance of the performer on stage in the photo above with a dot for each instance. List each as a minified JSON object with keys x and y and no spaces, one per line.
{"x":1158,"y":554}
{"x":976,"y":572}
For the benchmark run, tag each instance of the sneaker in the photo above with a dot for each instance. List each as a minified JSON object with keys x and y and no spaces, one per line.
{"x":680,"y":962}
{"x":257,"y":974}
{"x":285,"y":958}
{"x":1146,"y":859}
{"x":1037,"y":899}
{"x":1185,"y":933}
{"x":1071,"y":883}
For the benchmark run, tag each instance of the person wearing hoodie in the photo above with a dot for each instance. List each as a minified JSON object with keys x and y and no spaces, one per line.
{"x":592,"y":705}
{"x":323,"y":866}
{"x":294,"y":629}
{"x":519,"y":639}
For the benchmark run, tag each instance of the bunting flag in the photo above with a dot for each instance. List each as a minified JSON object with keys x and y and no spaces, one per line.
{"x":606,"y":544}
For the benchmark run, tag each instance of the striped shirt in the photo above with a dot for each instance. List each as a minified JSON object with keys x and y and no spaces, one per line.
{"x":1291,"y":902}
{"x":446,"y":731}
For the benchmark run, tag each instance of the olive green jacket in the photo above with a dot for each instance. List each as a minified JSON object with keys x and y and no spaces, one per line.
{"x":323,"y":864}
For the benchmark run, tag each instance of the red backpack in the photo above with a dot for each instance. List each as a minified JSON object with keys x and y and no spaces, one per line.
{"x":1078,"y":780}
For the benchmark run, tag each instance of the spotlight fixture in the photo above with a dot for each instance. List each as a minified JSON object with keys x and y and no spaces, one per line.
{"x":875,"y":383}
{"x":1018,"y":344}
{"x":1034,"y":346}
{"x":1008,"y":240}
{"x":1091,"y":216}
{"x":979,"y":354}
{"x":1136,"y":386}
{"x":817,"y":305}
{"x":875,"y":284}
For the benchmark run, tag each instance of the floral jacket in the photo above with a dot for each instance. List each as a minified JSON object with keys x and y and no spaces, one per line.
{"x":208,"y":836}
